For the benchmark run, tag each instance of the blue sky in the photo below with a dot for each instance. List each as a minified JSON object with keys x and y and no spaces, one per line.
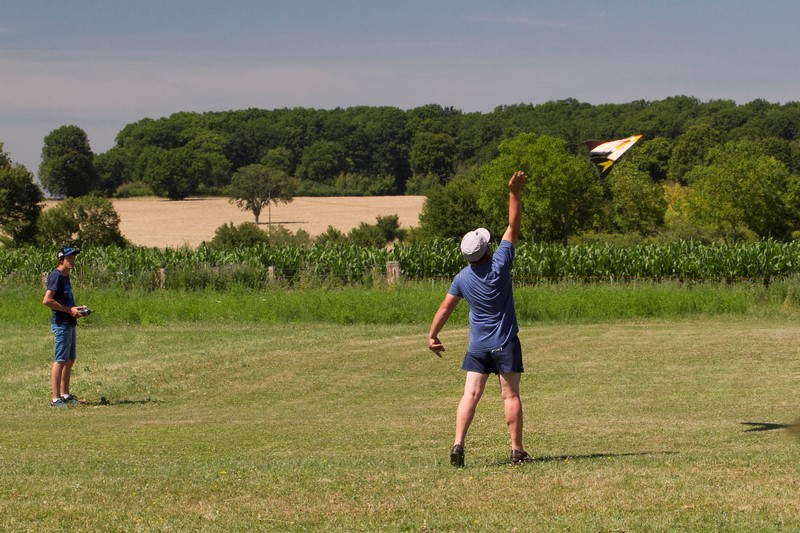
{"x":102,"y":64}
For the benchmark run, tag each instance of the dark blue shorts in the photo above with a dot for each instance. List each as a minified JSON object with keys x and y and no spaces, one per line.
{"x":503,"y":360}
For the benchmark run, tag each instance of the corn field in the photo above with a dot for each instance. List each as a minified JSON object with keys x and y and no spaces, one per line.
{"x":341,"y":265}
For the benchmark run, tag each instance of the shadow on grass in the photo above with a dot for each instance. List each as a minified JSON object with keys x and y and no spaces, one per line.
{"x":104,"y":402}
{"x":586,"y":457}
{"x":767,"y":426}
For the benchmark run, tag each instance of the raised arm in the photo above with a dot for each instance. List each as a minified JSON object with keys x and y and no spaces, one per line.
{"x":514,"y":207}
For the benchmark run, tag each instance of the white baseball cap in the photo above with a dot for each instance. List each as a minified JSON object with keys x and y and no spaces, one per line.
{"x":474,"y":244}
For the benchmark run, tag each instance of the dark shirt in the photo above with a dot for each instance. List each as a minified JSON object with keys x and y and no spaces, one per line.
{"x":58,"y":282}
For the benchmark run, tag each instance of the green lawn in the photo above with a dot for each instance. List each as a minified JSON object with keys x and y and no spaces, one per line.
{"x":638,"y":425}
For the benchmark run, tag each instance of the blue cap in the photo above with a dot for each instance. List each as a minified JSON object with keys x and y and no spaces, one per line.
{"x":68,"y":250}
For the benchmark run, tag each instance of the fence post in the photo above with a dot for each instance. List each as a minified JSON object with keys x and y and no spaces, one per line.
{"x":392,"y":272}
{"x":271,"y":274}
{"x":162,"y":278}
{"x":44,"y":279}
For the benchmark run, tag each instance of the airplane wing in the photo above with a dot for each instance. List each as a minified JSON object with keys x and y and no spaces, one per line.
{"x":605,"y":153}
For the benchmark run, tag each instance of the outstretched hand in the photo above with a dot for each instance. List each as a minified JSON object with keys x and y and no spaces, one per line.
{"x":517,"y":181}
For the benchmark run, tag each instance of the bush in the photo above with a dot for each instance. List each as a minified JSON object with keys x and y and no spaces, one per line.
{"x":279,"y":236}
{"x":331,"y":236}
{"x":367,"y":235}
{"x":231,"y":236}
{"x":390,"y":227}
{"x":386,"y":230}
{"x":87,"y":220}
{"x":248,"y":235}
{"x":134,"y":189}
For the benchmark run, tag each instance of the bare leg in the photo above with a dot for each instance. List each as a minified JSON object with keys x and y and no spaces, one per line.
{"x":473,"y":390}
{"x":512,"y":405}
{"x":56,"y":375}
{"x":65,"y":375}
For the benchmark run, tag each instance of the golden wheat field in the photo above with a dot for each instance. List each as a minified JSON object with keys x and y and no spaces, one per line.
{"x":164,"y":223}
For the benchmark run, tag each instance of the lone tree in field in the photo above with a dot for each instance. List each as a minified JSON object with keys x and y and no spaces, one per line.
{"x":255,"y":186}
{"x":67,"y":167}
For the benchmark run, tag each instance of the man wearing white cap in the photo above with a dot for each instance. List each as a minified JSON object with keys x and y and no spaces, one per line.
{"x":494,"y":347}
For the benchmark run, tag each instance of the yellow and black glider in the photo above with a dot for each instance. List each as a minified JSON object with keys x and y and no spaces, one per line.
{"x":605,"y":153}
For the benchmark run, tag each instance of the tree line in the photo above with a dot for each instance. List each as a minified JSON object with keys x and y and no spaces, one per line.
{"x":703,"y":169}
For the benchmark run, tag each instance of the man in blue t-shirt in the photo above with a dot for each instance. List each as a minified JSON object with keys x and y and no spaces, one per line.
{"x":58,"y":297}
{"x":494,"y":347}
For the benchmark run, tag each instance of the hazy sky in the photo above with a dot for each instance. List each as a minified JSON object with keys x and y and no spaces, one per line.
{"x":102,"y":64}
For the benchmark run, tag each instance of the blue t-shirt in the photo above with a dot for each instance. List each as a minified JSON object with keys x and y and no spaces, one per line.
{"x":487,"y":290}
{"x":58,"y":282}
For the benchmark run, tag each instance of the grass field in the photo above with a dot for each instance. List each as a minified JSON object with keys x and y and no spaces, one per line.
{"x":226,"y":425}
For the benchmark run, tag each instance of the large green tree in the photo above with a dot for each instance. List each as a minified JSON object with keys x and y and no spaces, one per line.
{"x":171,"y":172}
{"x":176,"y":156}
{"x":213,"y":170}
{"x":651,"y":156}
{"x":114,"y":168}
{"x":452,"y":210}
{"x":562,"y":194}
{"x":67,"y":167}
{"x":279,"y":158}
{"x":433,"y":153}
{"x":377,"y":143}
{"x":20,"y":202}
{"x":322,"y":161}
{"x":255,"y":186}
{"x":742,"y":188}
{"x":691,"y":148}
{"x":637,"y":204}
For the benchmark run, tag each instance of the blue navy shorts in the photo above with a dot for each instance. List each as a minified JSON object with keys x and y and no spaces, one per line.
{"x":503,"y":360}
{"x":64,"y":336}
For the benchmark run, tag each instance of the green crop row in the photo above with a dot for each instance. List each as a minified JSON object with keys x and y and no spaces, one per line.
{"x":679,"y":261}
{"x":258,"y":266}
